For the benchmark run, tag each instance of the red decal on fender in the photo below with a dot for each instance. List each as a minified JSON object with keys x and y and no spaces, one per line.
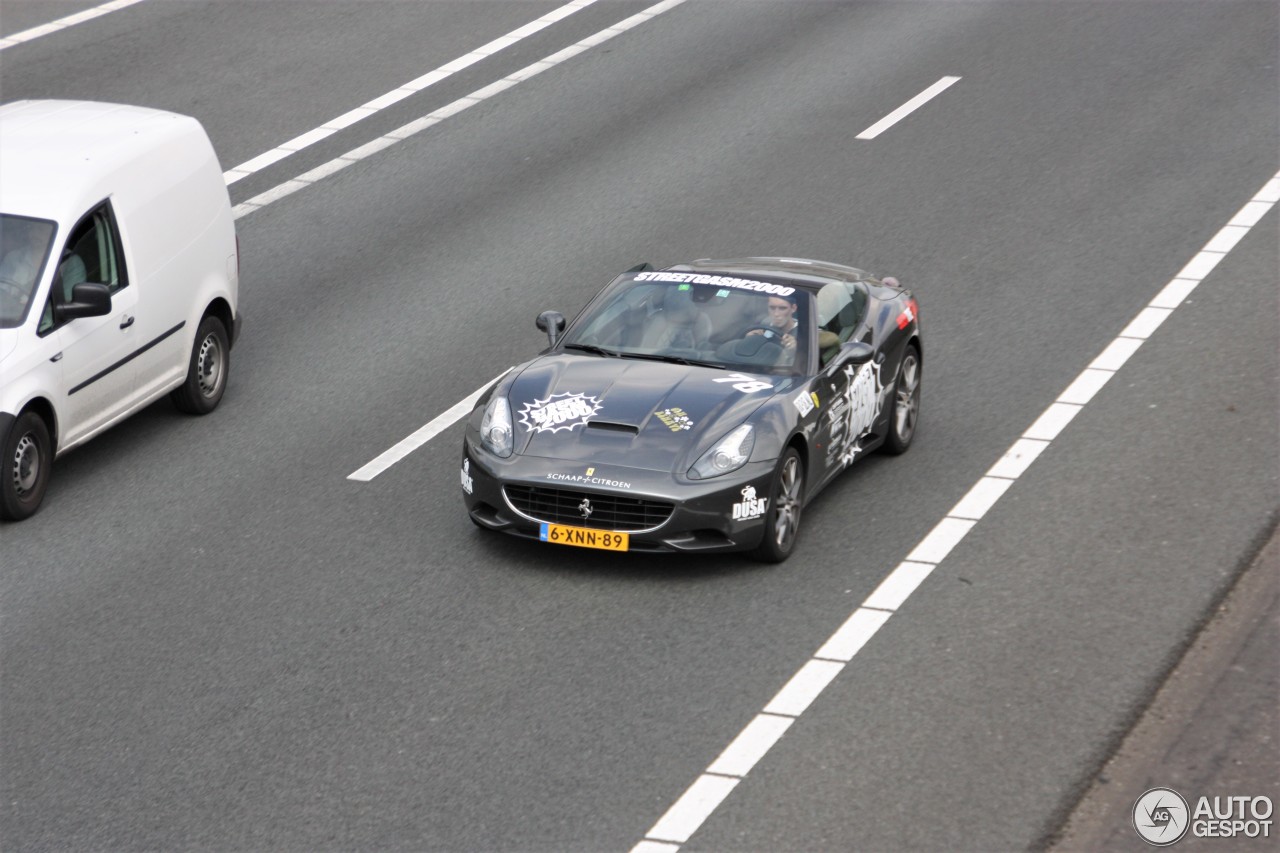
{"x":908,"y":315}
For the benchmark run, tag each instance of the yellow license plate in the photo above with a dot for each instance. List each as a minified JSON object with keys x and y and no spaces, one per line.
{"x":584,"y":537}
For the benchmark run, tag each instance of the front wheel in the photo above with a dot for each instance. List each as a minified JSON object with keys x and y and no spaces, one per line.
{"x":207,"y":370}
{"x":904,"y":404}
{"x":782,"y":517}
{"x":25,"y":468}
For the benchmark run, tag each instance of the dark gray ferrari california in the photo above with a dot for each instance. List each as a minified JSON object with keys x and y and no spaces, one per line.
{"x":696,"y":408}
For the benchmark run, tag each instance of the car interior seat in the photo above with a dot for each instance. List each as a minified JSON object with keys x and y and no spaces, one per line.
{"x":678,"y":325}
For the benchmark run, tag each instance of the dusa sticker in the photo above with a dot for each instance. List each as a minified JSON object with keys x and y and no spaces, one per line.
{"x":559,"y":411}
{"x":751,"y":506}
{"x":674,"y":419}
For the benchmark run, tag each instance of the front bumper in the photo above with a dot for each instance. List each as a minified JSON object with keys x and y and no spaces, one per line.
{"x":721,"y":514}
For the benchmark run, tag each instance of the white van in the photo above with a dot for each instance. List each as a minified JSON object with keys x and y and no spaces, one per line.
{"x":119,"y":278}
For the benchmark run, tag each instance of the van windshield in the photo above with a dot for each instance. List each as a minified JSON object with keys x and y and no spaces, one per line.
{"x":24,"y":247}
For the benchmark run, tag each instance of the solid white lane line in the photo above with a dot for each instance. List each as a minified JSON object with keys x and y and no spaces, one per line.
{"x":395,"y":96}
{"x":862,"y":625}
{"x":1052,"y":421}
{"x":980,"y":498}
{"x":687,"y":813}
{"x":1174,"y":293}
{"x":1147,"y":321}
{"x":907,"y":109}
{"x":1252,"y":212}
{"x":655,"y":847}
{"x":945,"y":535}
{"x":1225,"y":240}
{"x":418,"y":125}
{"x":750,"y":745}
{"x":63,"y":23}
{"x":894,"y":590}
{"x":405,"y":446}
{"x":803,"y":688}
{"x":1201,"y":265}
{"x":1113,"y":357}
{"x":1089,"y":382}
{"x":1017,"y":458}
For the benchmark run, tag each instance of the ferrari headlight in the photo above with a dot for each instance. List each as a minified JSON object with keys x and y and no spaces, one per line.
{"x":728,"y":454}
{"x":496,"y":432}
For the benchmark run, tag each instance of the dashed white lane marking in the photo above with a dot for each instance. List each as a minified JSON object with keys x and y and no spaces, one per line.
{"x":63,"y":23}
{"x":395,"y":96}
{"x":407,"y":445}
{"x":418,"y":125}
{"x":710,"y":789}
{"x":907,"y":109}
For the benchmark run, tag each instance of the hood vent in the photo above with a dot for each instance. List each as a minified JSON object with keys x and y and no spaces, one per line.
{"x":610,"y":426}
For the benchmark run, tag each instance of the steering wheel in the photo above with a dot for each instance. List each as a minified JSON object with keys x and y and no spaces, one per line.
{"x":770,"y":333}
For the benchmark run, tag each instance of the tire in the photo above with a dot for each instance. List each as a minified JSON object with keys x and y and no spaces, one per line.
{"x":782,"y":519}
{"x":25,"y":467}
{"x":904,"y":404}
{"x":206,"y":371}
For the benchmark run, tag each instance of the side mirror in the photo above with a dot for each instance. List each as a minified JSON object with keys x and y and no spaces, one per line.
{"x":88,"y":299}
{"x":551,"y":322}
{"x":859,"y":352}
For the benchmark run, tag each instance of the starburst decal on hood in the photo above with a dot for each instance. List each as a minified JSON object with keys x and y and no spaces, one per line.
{"x":559,"y":411}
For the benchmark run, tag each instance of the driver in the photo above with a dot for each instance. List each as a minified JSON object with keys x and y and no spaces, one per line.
{"x":781,"y":322}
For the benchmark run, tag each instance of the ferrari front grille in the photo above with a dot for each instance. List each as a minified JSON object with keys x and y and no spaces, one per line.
{"x":583,"y":509}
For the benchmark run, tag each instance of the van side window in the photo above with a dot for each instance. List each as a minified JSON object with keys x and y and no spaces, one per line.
{"x":92,"y":253}
{"x":841,"y":306}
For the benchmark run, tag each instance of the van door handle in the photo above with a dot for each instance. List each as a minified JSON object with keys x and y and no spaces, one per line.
{"x":126,"y":322}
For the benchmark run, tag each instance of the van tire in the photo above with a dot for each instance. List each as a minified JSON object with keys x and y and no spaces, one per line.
{"x":25,"y":467}
{"x":206,"y":371}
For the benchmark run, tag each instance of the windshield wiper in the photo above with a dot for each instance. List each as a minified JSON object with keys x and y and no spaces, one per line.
{"x":672,"y":359}
{"x":592,"y":348}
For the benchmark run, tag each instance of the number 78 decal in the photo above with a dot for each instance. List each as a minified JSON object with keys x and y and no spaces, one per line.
{"x":742,"y":383}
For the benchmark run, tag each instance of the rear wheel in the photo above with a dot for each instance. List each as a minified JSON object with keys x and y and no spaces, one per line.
{"x":904,"y":404}
{"x":207,"y":370}
{"x":782,"y":518}
{"x":25,"y":467}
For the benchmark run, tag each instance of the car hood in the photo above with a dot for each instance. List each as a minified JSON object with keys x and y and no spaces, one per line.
{"x":638,"y":413}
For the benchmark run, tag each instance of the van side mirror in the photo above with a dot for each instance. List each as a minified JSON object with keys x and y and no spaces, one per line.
{"x":88,"y":299}
{"x":551,"y":322}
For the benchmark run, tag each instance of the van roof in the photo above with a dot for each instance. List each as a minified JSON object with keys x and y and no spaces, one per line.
{"x":57,"y":157}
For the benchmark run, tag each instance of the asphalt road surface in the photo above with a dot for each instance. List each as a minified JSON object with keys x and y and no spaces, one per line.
{"x":212,"y":639}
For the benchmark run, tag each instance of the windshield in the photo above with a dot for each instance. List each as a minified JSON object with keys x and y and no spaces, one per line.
{"x":720,"y":321}
{"x":24,"y":245}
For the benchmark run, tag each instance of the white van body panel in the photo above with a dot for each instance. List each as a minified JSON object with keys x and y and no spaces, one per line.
{"x":159,"y":175}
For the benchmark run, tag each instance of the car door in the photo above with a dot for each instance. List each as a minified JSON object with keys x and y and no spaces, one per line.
{"x":96,"y":353}
{"x":849,"y":385}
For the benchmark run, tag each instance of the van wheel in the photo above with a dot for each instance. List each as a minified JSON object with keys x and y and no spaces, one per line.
{"x":207,"y":371}
{"x":24,"y":470}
